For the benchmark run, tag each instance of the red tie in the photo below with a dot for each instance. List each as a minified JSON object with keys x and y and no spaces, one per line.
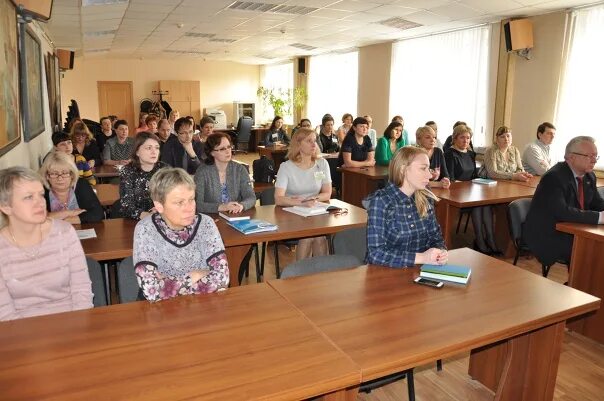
{"x":580,"y":192}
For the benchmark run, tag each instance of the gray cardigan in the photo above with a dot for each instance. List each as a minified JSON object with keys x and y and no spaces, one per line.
{"x":207,"y":187}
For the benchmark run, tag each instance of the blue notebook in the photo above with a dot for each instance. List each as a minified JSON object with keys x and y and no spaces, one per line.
{"x":252,"y":226}
{"x":484,"y":181}
{"x":453,"y":273}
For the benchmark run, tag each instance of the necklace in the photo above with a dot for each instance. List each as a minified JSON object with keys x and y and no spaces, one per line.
{"x":31,"y":255}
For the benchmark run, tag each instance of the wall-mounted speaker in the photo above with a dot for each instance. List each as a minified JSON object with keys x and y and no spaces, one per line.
{"x":301,"y":65}
{"x":518,"y":34}
{"x":65,"y":59}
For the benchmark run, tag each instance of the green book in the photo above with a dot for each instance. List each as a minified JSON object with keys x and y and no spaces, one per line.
{"x":453,"y":273}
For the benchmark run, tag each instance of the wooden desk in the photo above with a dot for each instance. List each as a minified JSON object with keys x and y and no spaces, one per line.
{"x":358,"y":182}
{"x":106,"y":171}
{"x":114,"y":239}
{"x":275,"y":153}
{"x":387,"y":324}
{"x":463,"y":194}
{"x":290,"y":226}
{"x":108,"y":194}
{"x":587,"y":272}
{"x":533,"y":182}
{"x":246,"y":342}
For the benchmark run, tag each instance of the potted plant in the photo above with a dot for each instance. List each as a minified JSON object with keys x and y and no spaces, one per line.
{"x":282,"y":101}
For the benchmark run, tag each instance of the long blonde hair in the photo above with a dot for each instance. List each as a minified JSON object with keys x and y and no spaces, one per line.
{"x":396,"y":175}
{"x":301,"y":134}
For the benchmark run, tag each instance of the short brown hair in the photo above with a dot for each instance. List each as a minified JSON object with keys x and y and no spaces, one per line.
{"x":8,"y":177}
{"x":139,"y":140}
{"x":213,"y":141}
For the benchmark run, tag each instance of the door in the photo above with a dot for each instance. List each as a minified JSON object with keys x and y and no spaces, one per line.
{"x":115,"y":98}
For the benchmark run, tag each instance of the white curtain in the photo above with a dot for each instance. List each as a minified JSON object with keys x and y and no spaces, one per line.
{"x":580,"y":100}
{"x":280,"y":78}
{"x":442,"y":77}
{"x":332,"y":86}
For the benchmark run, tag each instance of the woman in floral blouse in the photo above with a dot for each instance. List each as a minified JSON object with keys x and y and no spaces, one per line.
{"x":502,"y":160}
{"x":176,"y":251}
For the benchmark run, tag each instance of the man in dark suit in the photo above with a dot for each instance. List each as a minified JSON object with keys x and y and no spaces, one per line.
{"x":182,"y":151}
{"x":567,"y":192}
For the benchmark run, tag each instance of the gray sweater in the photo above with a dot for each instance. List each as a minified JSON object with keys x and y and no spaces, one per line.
{"x":207,"y":183}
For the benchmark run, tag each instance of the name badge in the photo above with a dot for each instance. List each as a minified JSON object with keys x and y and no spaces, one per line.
{"x":334,"y":139}
{"x":275,"y":136}
{"x":319,"y":176}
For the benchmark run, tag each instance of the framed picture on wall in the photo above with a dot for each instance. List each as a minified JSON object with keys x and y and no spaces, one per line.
{"x":34,"y":124}
{"x":51,"y":64}
{"x":9,"y":79}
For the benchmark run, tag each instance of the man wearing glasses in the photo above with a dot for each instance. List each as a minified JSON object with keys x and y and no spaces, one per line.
{"x":183,"y":152}
{"x":566,"y":193}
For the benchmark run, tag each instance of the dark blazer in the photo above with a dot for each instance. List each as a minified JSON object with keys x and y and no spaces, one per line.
{"x":555,"y":201}
{"x":87,"y":200}
{"x":172,"y":154}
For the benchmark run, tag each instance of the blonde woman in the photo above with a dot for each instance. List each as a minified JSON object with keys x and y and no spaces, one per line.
{"x":43,"y":267}
{"x":401,"y":228}
{"x":502,"y":160}
{"x":84,"y":144}
{"x":426,"y":138}
{"x":68,"y":196}
{"x":302,"y":181}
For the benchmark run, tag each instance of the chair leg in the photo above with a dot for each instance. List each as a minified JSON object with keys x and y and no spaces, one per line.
{"x":258,"y":271}
{"x":277,"y":271}
{"x":545,"y":270}
{"x":458,"y":223}
{"x":262,"y":259}
{"x":465,"y":229}
{"x":410,"y":385}
{"x":439,"y":365}
{"x":516,"y":257}
{"x":245,"y":265}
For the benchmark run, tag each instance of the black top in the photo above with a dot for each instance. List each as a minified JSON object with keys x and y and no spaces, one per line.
{"x":438,"y":160}
{"x":174,"y":154}
{"x":87,"y":200}
{"x":449,"y":142}
{"x":101,"y":139}
{"x":461,"y":166}
{"x":134,"y":190}
{"x":329,"y":144}
{"x":273,"y":136}
{"x":358,"y":153}
{"x":91,"y":152}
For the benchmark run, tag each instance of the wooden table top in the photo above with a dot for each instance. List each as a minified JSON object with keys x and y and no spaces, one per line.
{"x":107,"y":193}
{"x":114,"y":239}
{"x":592,"y":231}
{"x":106,"y":171}
{"x":386,"y":323}
{"x":468,"y":194}
{"x":372,"y":173}
{"x":293,"y":226}
{"x":247,"y":342}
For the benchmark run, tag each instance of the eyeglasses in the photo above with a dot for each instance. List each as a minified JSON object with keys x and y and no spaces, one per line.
{"x":223,"y":149}
{"x":62,"y":174}
{"x":595,"y":157}
{"x":186,"y":133}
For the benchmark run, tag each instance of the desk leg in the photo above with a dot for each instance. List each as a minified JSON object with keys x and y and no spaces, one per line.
{"x":587,"y":276}
{"x":447,"y":215}
{"x":349,"y":394}
{"x":235,"y":255}
{"x":522,"y":368}
{"x":107,"y":282}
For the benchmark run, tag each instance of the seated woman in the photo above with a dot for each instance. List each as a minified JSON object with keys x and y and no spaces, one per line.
{"x":346,"y":126}
{"x":43,"y":267}
{"x":177,"y":252}
{"x":276,"y":133}
{"x":303,"y":180}
{"x":388,"y":144}
{"x":221,"y":184}
{"x":84,"y":144}
{"x":327,"y":135}
{"x":502,"y":160}
{"x":304,"y":123}
{"x":426,"y":139}
{"x":356,"y":150}
{"x":402,"y":230}
{"x":135,"y":202}
{"x":118,"y":149}
{"x":68,"y":197}
{"x":63,"y":144}
{"x":461,"y":165}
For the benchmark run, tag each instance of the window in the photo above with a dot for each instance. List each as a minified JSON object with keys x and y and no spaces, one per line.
{"x":279,"y":78}
{"x":579,"y":101}
{"x":442,"y":77}
{"x":332,"y":86}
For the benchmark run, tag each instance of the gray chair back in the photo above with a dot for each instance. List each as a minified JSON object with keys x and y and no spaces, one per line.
{"x":127,"y":283}
{"x":351,"y":242}
{"x":517,"y":211}
{"x":319,"y":264}
{"x":267,"y":197}
{"x":244,"y":129}
{"x":98,"y":287}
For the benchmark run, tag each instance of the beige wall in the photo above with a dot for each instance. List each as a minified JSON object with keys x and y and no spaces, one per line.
{"x":221,"y":83}
{"x":30,"y":154}
{"x":536,"y":81}
{"x":374,"y":84}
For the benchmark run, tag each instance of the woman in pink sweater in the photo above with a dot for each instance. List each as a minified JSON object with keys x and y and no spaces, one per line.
{"x":43,"y":267}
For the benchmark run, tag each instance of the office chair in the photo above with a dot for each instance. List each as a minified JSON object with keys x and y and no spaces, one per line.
{"x":517,"y":211}
{"x":243,"y":133}
{"x":97,"y":280}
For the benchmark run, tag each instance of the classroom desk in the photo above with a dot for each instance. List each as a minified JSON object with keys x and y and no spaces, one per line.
{"x":534,"y":182}
{"x":290,"y":226}
{"x":463,"y":194}
{"x":587,"y":272}
{"x":275,"y":153}
{"x":358,"y":182}
{"x":511,"y":320}
{"x":106,"y":171}
{"x":107,"y":193}
{"x":114,"y":239}
{"x":244,"y":343}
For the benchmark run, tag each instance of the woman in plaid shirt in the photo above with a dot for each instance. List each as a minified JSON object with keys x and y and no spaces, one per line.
{"x":402,"y":229}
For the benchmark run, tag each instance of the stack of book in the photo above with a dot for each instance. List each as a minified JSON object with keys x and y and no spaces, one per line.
{"x":452,"y":273}
{"x":233,"y":217}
